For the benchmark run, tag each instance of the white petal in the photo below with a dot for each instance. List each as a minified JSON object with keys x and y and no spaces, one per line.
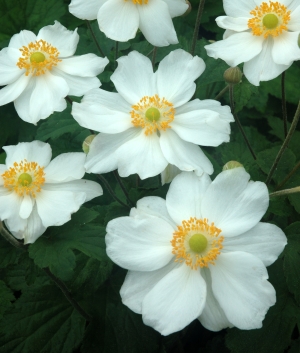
{"x":175,"y":301}
{"x":16,"y":226}
{"x":61,"y":38}
{"x":262,"y":67}
{"x":118,"y":19}
{"x":177,"y":7}
{"x":138,"y":284}
{"x":66,"y":167}
{"x":285,"y":49}
{"x":265,"y":241}
{"x":14,"y":90}
{"x":176,"y":75}
{"x":134,"y":77}
{"x":101,"y":157}
{"x":239,"y":283}
{"x":78,"y":86}
{"x":141,"y":155}
{"x":10,"y":205}
{"x":35,"y":151}
{"x":185,"y":196}
{"x":212,"y":317}
{"x":238,"y":24}
{"x":43,"y":96}
{"x":34,"y":228}
{"x":103,"y":111}
{"x":237,"y":48}
{"x":85,"y":10}
{"x":139,"y":244}
{"x":22,"y":39}
{"x":294,"y":23}
{"x":87,"y":65}
{"x":26,"y":207}
{"x":55,"y":207}
{"x":156,"y":23}
{"x":202,"y":127}
{"x":9,"y":71}
{"x":185,"y":155}
{"x":90,"y":188}
{"x":233,"y":203}
{"x":169,"y":173}
{"x":239,"y":8}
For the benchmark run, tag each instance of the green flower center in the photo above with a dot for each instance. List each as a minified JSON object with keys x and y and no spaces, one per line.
{"x":198,"y":243}
{"x":37,"y":57}
{"x":25,"y":179}
{"x":270,"y":21}
{"x":152,"y":114}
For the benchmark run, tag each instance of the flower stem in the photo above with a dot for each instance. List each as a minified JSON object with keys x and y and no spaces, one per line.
{"x":285,"y":192}
{"x":197,"y":25}
{"x":291,"y":173}
{"x":221,"y":93}
{"x":10,"y":238}
{"x":285,"y":144}
{"x":67,"y":294}
{"x":116,"y":53}
{"x":283,"y":103}
{"x":237,"y":120}
{"x":110,"y":190}
{"x":154,"y":56}
{"x":94,"y":37}
{"x":119,"y":180}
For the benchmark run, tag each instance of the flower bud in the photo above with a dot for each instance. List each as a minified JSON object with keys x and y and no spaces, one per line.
{"x":87,"y":142}
{"x":232,"y":165}
{"x":188,"y":10}
{"x":233,"y":75}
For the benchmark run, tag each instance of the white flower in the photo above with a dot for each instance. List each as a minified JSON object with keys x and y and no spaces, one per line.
{"x":41,"y":70}
{"x":202,"y":253}
{"x":149,"y":122}
{"x":262,"y":34}
{"x":120,"y":19}
{"x":36,"y":193}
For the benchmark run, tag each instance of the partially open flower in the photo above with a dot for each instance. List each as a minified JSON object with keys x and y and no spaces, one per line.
{"x":202,"y":253}
{"x":36,"y":193}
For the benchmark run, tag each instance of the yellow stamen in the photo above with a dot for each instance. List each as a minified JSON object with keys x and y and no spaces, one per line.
{"x":152,"y":114}
{"x":24,"y":178}
{"x":139,"y":2}
{"x":269,"y":19}
{"x":38,"y":57}
{"x":197,"y":243}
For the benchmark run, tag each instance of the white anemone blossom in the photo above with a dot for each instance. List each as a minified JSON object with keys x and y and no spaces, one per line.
{"x":262,"y":34}
{"x":201,"y":253}
{"x":40,"y":71}
{"x":120,"y":19}
{"x":36,"y":193}
{"x":149,"y":123}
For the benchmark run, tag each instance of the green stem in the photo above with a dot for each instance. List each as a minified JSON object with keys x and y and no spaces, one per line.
{"x":10,"y":238}
{"x":237,"y":120}
{"x":154,"y":56}
{"x":197,"y":25}
{"x":285,"y":144}
{"x":116,"y":53}
{"x":110,"y":190}
{"x":291,"y":173}
{"x":94,"y":37}
{"x":119,"y":180}
{"x":283,"y":103}
{"x":221,"y":93}
{"x":285,"y":192}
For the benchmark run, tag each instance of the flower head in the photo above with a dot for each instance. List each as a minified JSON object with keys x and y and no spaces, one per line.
{"x":262,"y":34}
{"x":120,"y":19}
{"x":36,"y":193}
{"x":40,"y":71}
{"x":201,"y":253}
{"x":149,"y":123}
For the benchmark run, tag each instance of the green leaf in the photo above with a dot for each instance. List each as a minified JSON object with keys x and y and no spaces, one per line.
{"x":42,"y":321}
{"x":55,"y":249}
{"x":8,"y":253}
{"x":295,"y":347}
{"x":6,"y":297}
{"x":242,"y":94}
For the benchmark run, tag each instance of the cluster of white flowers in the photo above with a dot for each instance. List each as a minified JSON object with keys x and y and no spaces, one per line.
{"x":201,"y":253}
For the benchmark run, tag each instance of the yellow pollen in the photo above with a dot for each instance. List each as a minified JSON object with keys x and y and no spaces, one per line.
{"x":197,"y":243}
{"x":152,"y":114}
{"x":269,"y":19}
{"x":24,"y":178}
{"x":139,"y":2}
{"x":38,"y":57}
